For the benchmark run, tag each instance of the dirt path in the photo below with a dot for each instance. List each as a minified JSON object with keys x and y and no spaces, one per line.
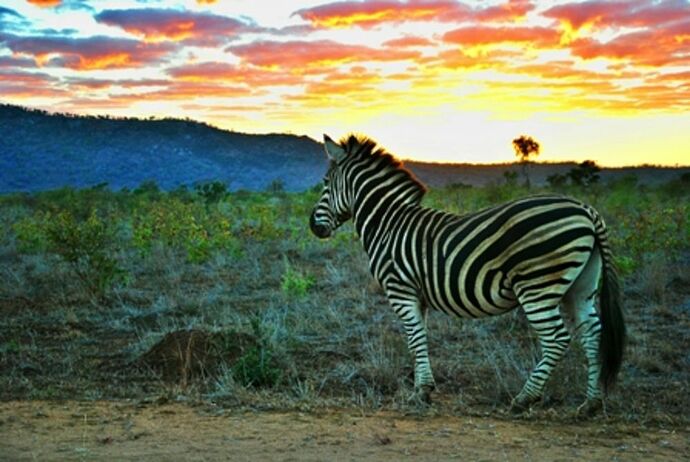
{"x":125,"y":431}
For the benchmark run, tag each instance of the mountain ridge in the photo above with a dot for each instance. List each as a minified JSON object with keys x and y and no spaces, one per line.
{"x":40,"y":150}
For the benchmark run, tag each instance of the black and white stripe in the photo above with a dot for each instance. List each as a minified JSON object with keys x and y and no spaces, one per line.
{"x":544,"y":253}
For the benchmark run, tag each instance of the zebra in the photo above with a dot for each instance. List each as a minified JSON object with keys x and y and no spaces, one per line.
{"x":545,"y":253}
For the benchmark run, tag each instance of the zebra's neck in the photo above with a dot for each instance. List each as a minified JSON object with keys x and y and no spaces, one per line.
{"x":379,"y":199}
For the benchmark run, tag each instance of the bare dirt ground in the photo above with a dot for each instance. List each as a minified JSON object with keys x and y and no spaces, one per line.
{"x":122,"y":430}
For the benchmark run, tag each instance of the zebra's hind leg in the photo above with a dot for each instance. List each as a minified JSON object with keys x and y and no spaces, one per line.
{"x":544,"y":316}
{"x":579,"y":300}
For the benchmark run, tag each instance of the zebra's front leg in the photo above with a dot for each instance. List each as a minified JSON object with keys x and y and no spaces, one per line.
{"x":410,"y":313}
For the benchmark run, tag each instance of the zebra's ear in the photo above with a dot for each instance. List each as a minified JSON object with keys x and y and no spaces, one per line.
{"x":333,"y":150}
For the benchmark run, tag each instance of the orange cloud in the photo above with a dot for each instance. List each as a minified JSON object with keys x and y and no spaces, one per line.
{"x":485,"y":35}
{"x":158,"y":25}
{"x":683,"y":77}
{"x":45,"y":3}
{"x":303,"y":54}
{"x":373,"y":13}
{"x":408,"y":41}
{"x":648,"y":47}
{"x":558,"y":70}
{"x":454,"y":59}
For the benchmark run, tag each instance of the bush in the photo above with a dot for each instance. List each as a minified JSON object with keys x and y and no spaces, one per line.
{"x":641,"y":234}
{"x":183,"y":225}
{"x":557,"y":180}
{"x":258,"y":367}
{"x":84,"y":244}
{"x":294,"y":283}
{"x":586,"y":174}
{"x":212,"y":192}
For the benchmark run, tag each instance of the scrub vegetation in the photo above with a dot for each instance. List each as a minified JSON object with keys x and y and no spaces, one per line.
{"x":225,"y":297}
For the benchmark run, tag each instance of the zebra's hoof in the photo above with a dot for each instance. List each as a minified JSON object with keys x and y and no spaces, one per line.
{"x":422,"y":396}
{"x":590,"y":408}
{"x":520,"y":405}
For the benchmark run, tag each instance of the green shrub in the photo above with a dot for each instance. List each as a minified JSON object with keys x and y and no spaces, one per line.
{"x":258,"y":367}
{"x":557,"y":180}
{"x":84,"y":244}
{"x":186,"y":226}
{"x":294,"y":283}
{"x":647,"y":231}
{"x":211,"y":192}
{"x":260,"y":220}
{"x":585,"y":174}
{"x":30,"y":232}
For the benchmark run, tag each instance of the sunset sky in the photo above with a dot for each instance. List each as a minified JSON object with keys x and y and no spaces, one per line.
{"x":436,"y":80}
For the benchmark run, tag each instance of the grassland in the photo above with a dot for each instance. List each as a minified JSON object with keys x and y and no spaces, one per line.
{"x":227,"y":298}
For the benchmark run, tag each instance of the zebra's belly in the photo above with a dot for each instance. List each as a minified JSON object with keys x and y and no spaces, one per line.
{"x":484,"y":298}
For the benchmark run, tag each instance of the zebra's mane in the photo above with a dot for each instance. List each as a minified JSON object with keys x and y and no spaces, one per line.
{"x":362,"y":146}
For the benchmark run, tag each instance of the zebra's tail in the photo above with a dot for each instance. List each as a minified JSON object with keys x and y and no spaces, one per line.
{"x":613,"y":332}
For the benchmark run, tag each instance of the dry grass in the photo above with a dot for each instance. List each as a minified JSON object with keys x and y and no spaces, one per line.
{"x":335,"y":343}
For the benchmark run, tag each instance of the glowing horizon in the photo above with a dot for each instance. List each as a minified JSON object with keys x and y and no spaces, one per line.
{"x":430,"y":80}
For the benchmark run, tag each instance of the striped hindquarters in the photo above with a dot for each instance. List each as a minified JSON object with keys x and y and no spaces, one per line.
{"x":480,"y":264}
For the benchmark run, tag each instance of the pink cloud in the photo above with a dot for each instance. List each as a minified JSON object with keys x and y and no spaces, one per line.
{"x":88,"y":53}
{"x":22,"y":84}
{"x":512,"y":9}
{"x":192,"y":90}
{"x":663,"y":36}
{"x":99,"y":84}
{"x":629,"y":13}
{"x":156,"y":25}
{"x":303,"y":54}
{"x":218,"y":71}
{"x":179,"y":91}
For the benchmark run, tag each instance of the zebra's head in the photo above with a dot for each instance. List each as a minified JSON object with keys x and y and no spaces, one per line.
{"x":334,"y":206}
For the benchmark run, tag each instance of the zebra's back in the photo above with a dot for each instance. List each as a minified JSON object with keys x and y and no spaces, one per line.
{"x":478,"y":264}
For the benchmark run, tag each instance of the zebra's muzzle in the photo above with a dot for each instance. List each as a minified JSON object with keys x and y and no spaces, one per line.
{"x":320,"y":230}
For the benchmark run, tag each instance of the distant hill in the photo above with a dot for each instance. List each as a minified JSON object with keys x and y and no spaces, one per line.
{"x":40,"y":150}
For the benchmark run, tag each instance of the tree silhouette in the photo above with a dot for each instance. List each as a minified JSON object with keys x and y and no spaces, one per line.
{"x":525,"y":147}
{"x":586,"y":174}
